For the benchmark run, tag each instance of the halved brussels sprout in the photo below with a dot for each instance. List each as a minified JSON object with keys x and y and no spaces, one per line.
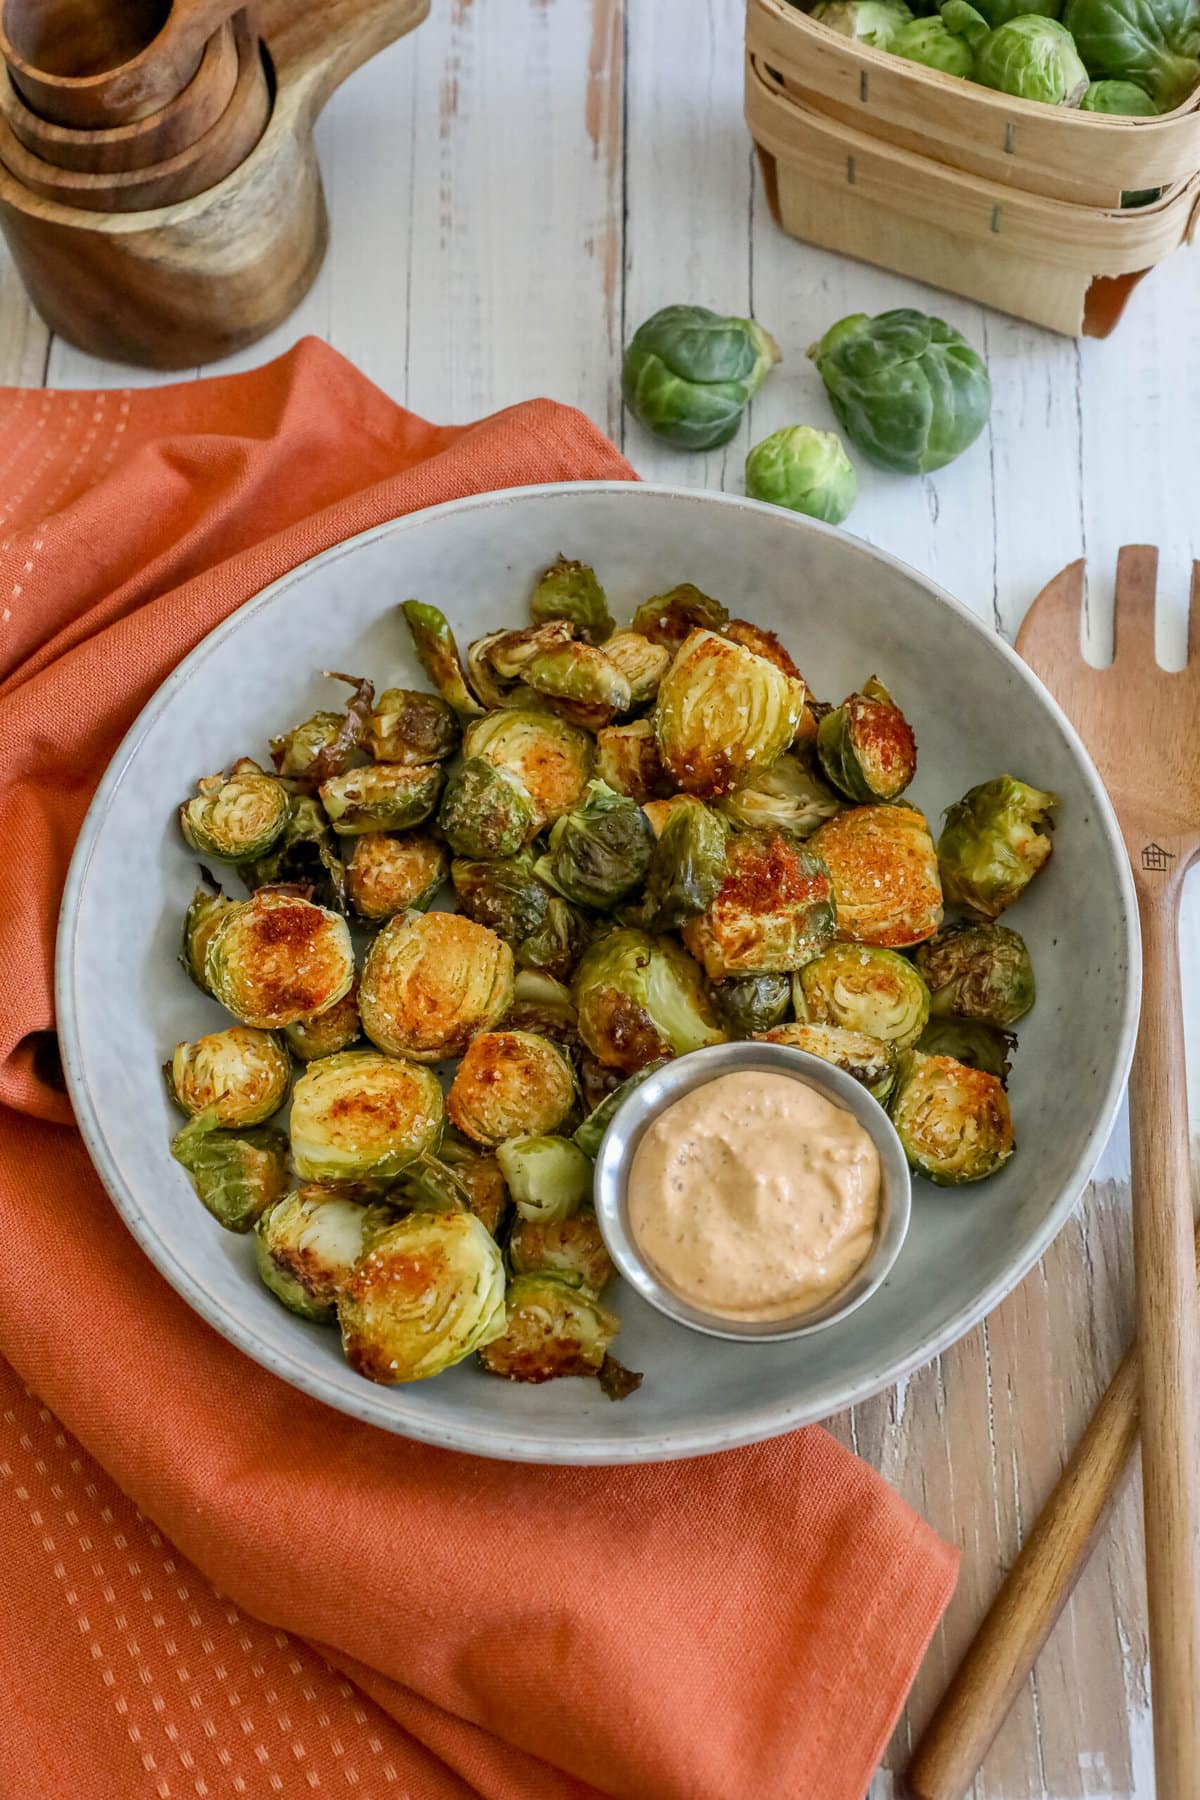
{"x":485,"y":811}
{"x":305,"y":1249}
{"x":235,"y":816}
{"x":276,"y":959}
{"x":582,"y":683}
{"x":330,"y":1032}
{"x":430,"y":982}
{"x":599,"y":851}
{"x":867,"y":747}
{"x":753,"y":1003}
{"x":304,"y":856}
{"x":668,"y":619}
{"x":434,"y":644}
{"x":572,"y":1247}
{"x":640,"y":998}
{"x":627,"y":760}
{"x":383,"y":797}
{"x":241,"y":1074}
{"x":504,"y":894}
{"x":498,"y":660}
{"x":689,"y":374}
{"x":979,"y":972}
{"x":425,"y":1293}
{"x":953,"y":1122}
{"x":763,"y":643}
{"x":386,"y":875}
{"x":510,"y":1084}
{"x":994,"y":841}
{"x":548,"y":1177}
{"x":970,"y":1041}
{"x":885,"y":874}
{"x":206,"y":909}
{"x":723,"y":715}
{"x":659,"y":811}
{"x":237,"y":1174}
{"x":868,"y":1059}
{"x":408,"y":726}
{"x":325,"y":745}
{"x":789,"y":796}
{"x":570,"y":590}
{"x":553,"y":1327}
{"x":482,"y":1180}
{"x":544,"y":1006}
{"x":558,"y":943}
{"x":588,"y":1136}
{"x":865,"y":989}
{"x":687,"y":866}
{"x":642,"y":662}
{"x":551,"y":759}
{"x":802,"y":468}
{"x":359,"y":1116}
{"x":772,"y":911}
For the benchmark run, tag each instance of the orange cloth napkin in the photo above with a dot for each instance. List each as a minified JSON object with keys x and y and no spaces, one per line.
{"x":741,"y":1627}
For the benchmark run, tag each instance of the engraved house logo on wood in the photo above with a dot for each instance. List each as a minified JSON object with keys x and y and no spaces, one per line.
{"x":1156,"y":858}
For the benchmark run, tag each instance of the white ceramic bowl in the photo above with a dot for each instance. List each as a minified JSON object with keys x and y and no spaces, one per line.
{"x":845,"y":610}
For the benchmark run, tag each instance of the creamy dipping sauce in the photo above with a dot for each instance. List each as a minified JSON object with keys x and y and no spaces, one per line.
{"x":754,"y":1197}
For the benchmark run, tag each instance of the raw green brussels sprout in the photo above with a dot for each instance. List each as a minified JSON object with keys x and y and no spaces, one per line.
{"x":799,"y":467}
{"x":305,"y":1248}
{"x":558,"y":943}
{"x":999,"y":12}
{"x":305,"y":856}
{"x":970,"y":1041}
{"x":641,"y":998}
{"x":689,"y":374}
{"x":275,"y":959}
{"x":386,"y":875}
{"x":207,"y":908}
{"x":867,"y":747}
{"x":240,"y":1074}
{"x":641,"y":661}
{"x":994,"y":841}
{"x":1033,"y":58}
{"x":874,"y":991}
{"x":724,"y":714}
{"x":485,"y":811}
{"x":1124,"y":98}
{"x":953,"y":1121}
{"x":434,"y":644}
{"x":551,"y":759}
{"x":237,"y":1174}
{"x":687,"y":866}
{"x":384,"y":797}
{"x":510,"y":1084}
{"x":588,"y":1136}
{"x":430,"y":982}
{"x":549,"y":1178}
{"x":554,"y":1327}
{"x":581,"y":683}
{"x":931,"y":42}
{"x":789,"y":796}
{"x":753,"y":1003}
{"x":572,"y":1246}
{"x":627,"y":760}
{"x":503,"y":894}
{"x":907,"y":389}
{"x":329,"y":1032}
{"x":544,"y":1006}
{"x":885,"y":874}
{"x":570,"y":590}
{"x":668,"y":619}
{"x":1150,"y":42}
{"x":599,"y":852}
{"x":873,"y":22}
{"x":408,"y":726}
{"x":359,"y":1116}
{"x":425,"y":1293}
{"x":978,"y":972}
{"x":868,"y":1059}
{"x":325,"y":744}
{"x":235,"y":816}
{"x":773,"y":910}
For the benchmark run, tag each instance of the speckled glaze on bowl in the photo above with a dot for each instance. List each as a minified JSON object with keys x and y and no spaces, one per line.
{"x":845,"y":610}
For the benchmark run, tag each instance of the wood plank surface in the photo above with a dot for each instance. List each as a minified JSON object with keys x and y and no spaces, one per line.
{"x":512,"y":190}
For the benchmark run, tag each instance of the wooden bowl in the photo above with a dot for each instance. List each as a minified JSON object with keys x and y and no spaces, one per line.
{"x":175,"y":127}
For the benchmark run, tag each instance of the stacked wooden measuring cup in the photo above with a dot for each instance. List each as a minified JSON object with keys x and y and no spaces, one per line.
{"x":158,"y":185}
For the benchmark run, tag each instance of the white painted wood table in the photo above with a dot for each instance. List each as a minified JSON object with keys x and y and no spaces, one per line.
{"x":513,"y":190}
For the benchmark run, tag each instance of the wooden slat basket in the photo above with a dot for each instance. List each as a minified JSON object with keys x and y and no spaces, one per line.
{"x":1089,"y":159}
{"x":1071,"y":268}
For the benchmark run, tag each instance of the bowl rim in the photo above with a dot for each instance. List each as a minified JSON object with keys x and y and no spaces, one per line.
{"x":378,"y":1407}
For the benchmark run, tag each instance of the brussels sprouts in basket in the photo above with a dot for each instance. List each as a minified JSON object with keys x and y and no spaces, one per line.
{"x":932,"y":42}
{"x":873,"y":22}
{"x":1033,"y":58}
{"x":1151,"y":42}
{"x":1124,"y":99}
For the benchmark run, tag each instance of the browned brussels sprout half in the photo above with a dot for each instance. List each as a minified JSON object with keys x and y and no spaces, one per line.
{"x":434,"y":644}
{"x":993,"y":843}
{"x":642,"y":998}
{"x":885,"y":875}
{"x":510,"y":1084}
{"x":771,"y":913}
{"x":329,"y":1032}
{"x":953,"y":1121}
{"x":205,"y":911}
{"x":359,"y":1116}
{"x":864,"y":989}
{"x":868,"y":1059}
{"x":978,"y":971}
{"x":599,"y":852}
{"x":971,"y":1042}
{"x":724,"y":714}
{"x":237,"y":1174}
{"x":669,"y":618}
{"x":753,"y":1003}
{"x":627,"y":759}
{"x":306,"y":1246}
{"x":867,"y":747}
{"x":502,"y":893}
{"x":570,"y":590}
{"x":642,"y":663}
{"x":481,"y":1181}
{"x":572,"y":1246}
{"x":426,"y":1292}
{"x":687,"y":866}
{"x":384,"y":797}
{"x":551,"y":759}
{"x":411,"y":727}
{"x":277,"y":958}
{"x":790,"y":796}
{"x":581,"y":683}
{"x":235,"y":816}
{"x":485,"y":811}
{"x":430,"y":982}
{"x":387,"y":875}
{"x":241,"y":1074}
{"x":548,"y":1177}
{"x":325,"y":745}
{"x":554,"y":1327}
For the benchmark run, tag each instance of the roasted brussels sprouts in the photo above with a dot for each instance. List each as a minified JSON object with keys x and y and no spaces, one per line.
{"x":497,"y":662}
{"x":330,"y":1032}
{"x":789,"y":796}
{"x":551,"y":759}
{"x":430,"y":982}
{"x":581,"y":683}
{"x":359,"y":1116}
{"x":386,"y":875}
{"x":689,"y":373}
{"x":305,"y":855}
{"x":588,"y":1136}
{"x":207,"y":908}
{"x":953,"y":1121}
{"x":930,"y":41}
{"x":434,"y":644}
{"x":907,"y":389}
{"x":1153,"y":45}
{"x":408,"y":726}
{"x":549,"y":1178}
{"x":659,"y":811}
{"x":763,"y":643}
{"x":235,"y":816}
{"x":485,"y":811}
{"x":864,"y":989}
{"x":753,"y":1003}
{"x":971,"y":1042}
{"x":237,"y":1174}
{"x":305,"y":1248}
{"x":869,"y":1060}
{"x":873,"y":22}
{"x":326,"y":744}
{"x":867,"y":747}
{"x":558,"y":943}
{"x":504,"y":894}
{"x":240,"y":1074}
{"x":544,"y":1006}
{"x":570,"y":590}
{"x":276,"y":959}
{"x":642,"y":662}
{"x":1034,"y":58}
{"x":979,"y":972}
{"x":885,"y":875}
{"x":724,"y":714}
{"x":553,"y":1328}
{"x":687,"y":866}
{"x":773,"y":910}
{"x":510,"y":1084}
{"x":482,"y":1181}
{"x":572,"y":1246}
{"x":627,"y":760}
{"x":640,"y":998}
{"x":599,"y":852}
{"x":805,"y":470}
{"x":1123,"y":98}
{"x":383,"y":797}
{"x":668,"y":619}
{"x":425,"y":1293}
{"x":994,"y":841}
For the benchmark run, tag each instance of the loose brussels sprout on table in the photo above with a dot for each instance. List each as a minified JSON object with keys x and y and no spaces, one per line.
{"x":431,"y":982}
{"x":994,"y":841}
{"x":425,"y":1293}
{"x":866,"y":746}
{"x":864,"y":989}
{"x":885,"y":875}
{"x":359,"y":1116}
{"x":510,"y":1084}
{"x":237,"y":1174}
{"x":485,"y":811}
{"x":868,"y":1059}
{"x":241,"y":1074}
{"x":276,"y":959}
{"x":386,"y":875}
{"x":305,"y":1248}
{"x":978,"y":971}
{"x":235,"y":816}
{"x":599,"y":852}
{"x":773,"y":910}
{"x":570,"y":590}
{"x":641,"y":998}
{"x":724,"y":715}
{"x":798,"y":467}
{"x":689,"y":373}
{"x":953,"y":1121}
